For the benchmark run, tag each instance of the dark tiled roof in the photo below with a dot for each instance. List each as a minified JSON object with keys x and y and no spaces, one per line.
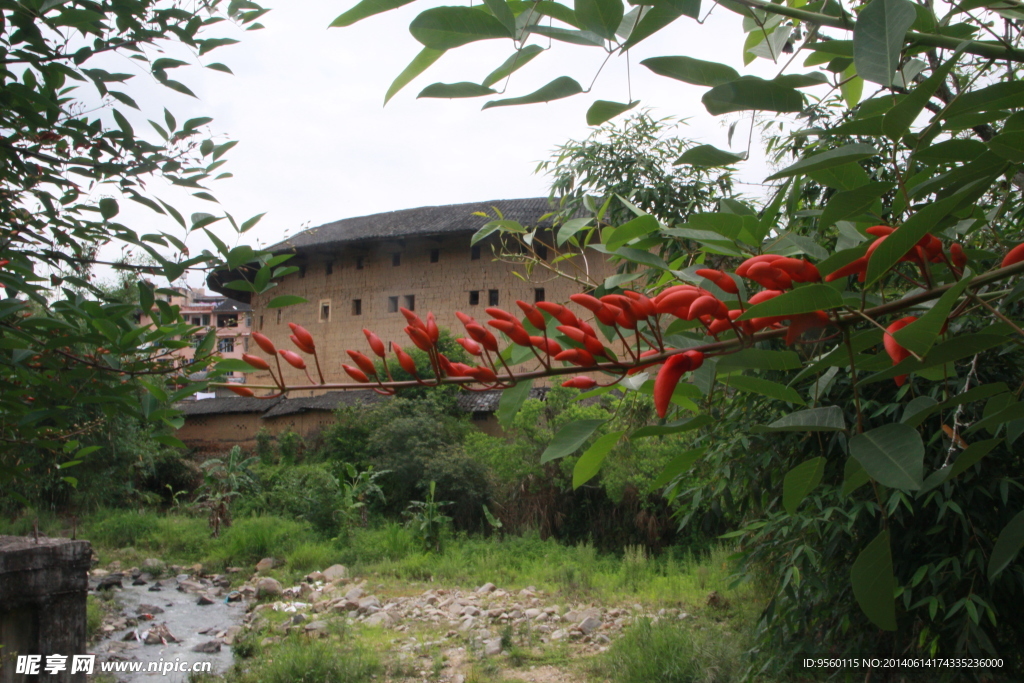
{"x":421,"y":222}
{"x":231,"y":306}
{"x":487,"y":401}
{"x":226,"y":406}
{"x":325,"y":402}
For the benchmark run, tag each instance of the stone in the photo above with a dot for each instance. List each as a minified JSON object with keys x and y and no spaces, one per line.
{"x":380,"y":619}
{"x":492,"y":647}
{"x":109,"y":581}
{"x":313,"y":577}
{"x":153,"y":564}
{"x":268,"y":587}
{"x":532,"y":613}
{"x":369,"y":602}
{"x":139,"y":582}
{"x":208,"y":647}
{"x":155,"y":588}
{"x":354,"y":593}
{"x":265,"y":565}
{"x":316,"y":628}
{"x":298,"y":618}
{"x":234,"y":596}
{"x":589,"y":625}
{"x":335,"y":572}
{"x":486,"y":588}
{"x":203,"y":600}
{"x":145,"y":608}
{"x":560,"y":634}
{"x":159,"y":635}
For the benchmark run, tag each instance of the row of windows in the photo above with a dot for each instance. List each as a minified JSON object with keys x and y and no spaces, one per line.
{"x":224,"y":345}
{"x":223,"y":320}
{"x":396,"y":259}
{"x":408,"y":301}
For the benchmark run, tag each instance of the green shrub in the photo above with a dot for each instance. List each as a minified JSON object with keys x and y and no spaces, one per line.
{"x":122,"y":528}
{"x":302,"y":661}
{"x":308,"y":557}
{"x":184,"y":538}
{"x":305,"y":492}
{"x":251,"y":539}
{"x":673,"y":653}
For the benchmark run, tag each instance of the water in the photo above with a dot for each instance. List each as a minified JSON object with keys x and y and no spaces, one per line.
{"x":183,"y":618}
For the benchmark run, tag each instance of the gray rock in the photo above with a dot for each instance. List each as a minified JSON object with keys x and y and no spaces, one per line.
{"x":298,"y":618}
{"x":265,"y":565}
{"x":560,"y":634}
{"x":486,"y":588}
{"x":492,"y":647}
{"x":145,"y":608}
{"x":153,"y":564}
{"x":355,"y":593}
{"x":316,"y":627}
{"x":589,"y":625}
{"x":380,"y":619}
{"x":335,"y":572}
{"x":109,"y":581}
{"x":532,"y":613}
{"x":208,"y":647}
{"x":268,"y":587}
{"x":203,"y":600}
{"x":369,"y":602}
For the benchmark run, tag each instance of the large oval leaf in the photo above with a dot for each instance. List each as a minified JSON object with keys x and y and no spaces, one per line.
{"x":679,"y":464}
{"x":454,"y":90}
{"x":663,"y":13}
{"x":569,"y":438}
{"x":366,"y":8}
{"x":418,"y":65}
{"x":563,"y":86}
{"x":874,"y":584}
{"x":800,"y":481}
{"x":825,"y":419}
{"x":443,"y":28}
{"x":831,"y":158}
{"x":589,"y":464}
{"x":878,"y":38}
{"x":709,"y":156}
{"x":517,"y":61}
{"x":690,"y":70}
{"x":804,"y":299}
{"x":765,"y":388}
{"x":1009,"y":543}
{"x":603,"y":110}
{"x":600,"y":16}
{"x":752,"y":93}
{"x":892,"y":455}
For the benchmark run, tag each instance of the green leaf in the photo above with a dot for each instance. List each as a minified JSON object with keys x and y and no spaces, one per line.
{"x":709,"y":156}
{"x":286,"y":300}
{"x":751,"y":93}
{"x":805,"y":299}
{"x":502,"y":12}
{"x":878,"y":38}
{"x":898,"y":120}
{"x":517,"y":61}
{"x":442,"y":28}
{"x":853,"y":202}
{"x":873,"y":582}
{"x":887,"y":254}
{"x":679,"y":464}
{"x":971,"y":455}
{"x":234,"y":365}
{"x":690,"y":70}
{"x":172,"y":441}
{"x":1005,"y":95}
{"x":854,"y":476}
{"x":512,"y":399}
{"x":684,"y":425}
{"x":946,"y":352}
{"x":800,"y":481}
{"x":366,"y":8}
{"x":600,"y":16}
{"x":919,"y":336}
{"x":569,"y":439}
{"x":589,"y":464}
{"x":1009,"y":146}
{"x":585,"y":38}
{"x":825,"y":419}
{"x":563,"y":86}
{"x":638,"y":227}
{"x":418,"y":65}
{"x":570,"y":228}
{"x":833,"y":157}
{"x":951,"y":151}
{"x":108,"y":208}
{"x":1009,"y":543}
{"x":892,"y":455}
{"x":1014,"y":411}
{"x":661,"y":14}
{"x":603,"y":110}
{"x":455,"y":90}
{"x":917,"y":410}
{"x":765,"y":388}
{"x":761,"y":359}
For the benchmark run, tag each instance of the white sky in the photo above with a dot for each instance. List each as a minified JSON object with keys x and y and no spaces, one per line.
{"x":315,"y":144}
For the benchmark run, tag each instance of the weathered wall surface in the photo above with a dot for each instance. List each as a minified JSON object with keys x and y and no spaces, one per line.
{"x":442,"y":287}
{"x":43,"y":587}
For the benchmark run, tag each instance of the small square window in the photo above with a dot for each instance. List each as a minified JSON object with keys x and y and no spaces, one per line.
{"x":474,"y":297}
{"x":329,"y":268}
{"x":302,"y":271}
{"x":542,"y":252}
{"x":410,"y":302}
{"x":492,"y":297}
{"x":396,"y":258}
{"x":357,"y":306}
{"x":538,"y":294}
{"x":474,"y":253}
{"x":392,"y":304}
{"x":325,"y":311}
{"x":279,"y":316}
{"x":435,"y":255}
{"x":261,"y":322}
{"x":359,"y":262}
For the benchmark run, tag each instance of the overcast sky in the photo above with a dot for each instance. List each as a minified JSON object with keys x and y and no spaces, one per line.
{"x":316,"y":144}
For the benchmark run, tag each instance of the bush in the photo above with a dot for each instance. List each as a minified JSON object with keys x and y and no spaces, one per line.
{"x":251,"y":539}
{"x":305,"y":492}
{"x":673,"y":653}
{"x":123,"y":528}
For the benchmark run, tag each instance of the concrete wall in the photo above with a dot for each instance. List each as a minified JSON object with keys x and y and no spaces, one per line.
{"x":43,"y":588}
{"x":442,"y":287}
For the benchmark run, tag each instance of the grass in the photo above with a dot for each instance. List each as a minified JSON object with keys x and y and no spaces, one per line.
{"x":673,"y":653}
{"x":299,"y":660}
